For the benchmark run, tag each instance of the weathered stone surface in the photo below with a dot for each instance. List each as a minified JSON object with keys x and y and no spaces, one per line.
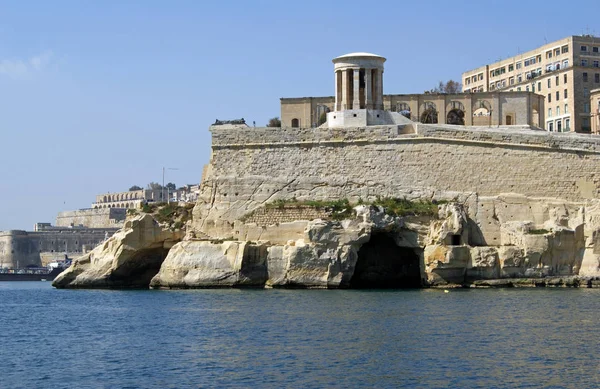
{"x":194,"y":264}
{"x":128,"y":259}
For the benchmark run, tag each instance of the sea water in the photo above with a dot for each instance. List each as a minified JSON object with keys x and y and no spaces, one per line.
{"x":495,"y":338}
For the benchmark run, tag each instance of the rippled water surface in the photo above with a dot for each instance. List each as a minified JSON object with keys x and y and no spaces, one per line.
{"x":506,"y":338}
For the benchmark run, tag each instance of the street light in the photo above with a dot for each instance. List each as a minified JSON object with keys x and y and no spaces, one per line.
{"x":163,"y":182}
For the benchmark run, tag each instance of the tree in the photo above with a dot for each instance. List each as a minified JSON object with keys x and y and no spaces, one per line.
{"x":450,"y":87}
{"x":135,"y":187}
{"x":322,"y":118}
{"x":170,"y":186}
{"x":274,"y":122}
{"x":154,"y":185}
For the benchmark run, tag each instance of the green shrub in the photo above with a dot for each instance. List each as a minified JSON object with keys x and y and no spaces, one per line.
{"x":402,"y":207}
{"x":540,"y":231}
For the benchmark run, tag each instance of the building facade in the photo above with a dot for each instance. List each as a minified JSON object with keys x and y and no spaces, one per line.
{"x":564,"y":72}
{"x":481,"y":109}
{"x":135,"y":198}
{"x":595,"y":108}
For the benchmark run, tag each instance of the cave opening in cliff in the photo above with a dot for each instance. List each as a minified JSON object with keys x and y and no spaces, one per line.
{"x":137,"y":272}
{"x":382,"y":264}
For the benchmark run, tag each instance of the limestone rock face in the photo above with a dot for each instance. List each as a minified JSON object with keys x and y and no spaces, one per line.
{"x":207,"y":264}
{"x":128,"y":259}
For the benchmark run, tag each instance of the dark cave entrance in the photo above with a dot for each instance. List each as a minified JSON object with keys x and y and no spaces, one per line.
{"x":138,"y":271}
{"x":382,"y":264}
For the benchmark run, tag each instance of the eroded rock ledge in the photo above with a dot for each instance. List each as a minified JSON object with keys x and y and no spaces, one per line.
{"x":558,"y":247}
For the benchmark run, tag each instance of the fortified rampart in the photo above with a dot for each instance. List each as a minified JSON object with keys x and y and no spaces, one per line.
{"x":253,"y":166}
{"x":19,"y":249}
{"x":92,"y":218}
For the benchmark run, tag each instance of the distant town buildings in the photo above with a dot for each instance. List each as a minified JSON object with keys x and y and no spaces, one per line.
{"x":135,"y":198}
{"x":564,"y":72}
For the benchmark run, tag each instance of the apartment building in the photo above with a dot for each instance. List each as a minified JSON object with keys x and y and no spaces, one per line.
{"x":595,"y":102}
{"x":564,"y":72}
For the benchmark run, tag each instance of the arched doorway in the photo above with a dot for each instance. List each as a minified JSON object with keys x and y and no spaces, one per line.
{"x":403,"y":109}
{"x":429,"y":113}
{"x":456,"y":113}
{"x":295,"y":122}
{"x":482,"y":113}
{"x":381,"y":264}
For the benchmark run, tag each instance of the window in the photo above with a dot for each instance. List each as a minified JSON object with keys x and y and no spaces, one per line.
{"x":565,"y":79}
{"x":511,"y":81}
{"x":597,"y":78}
{"x":557,"y":111}
{"x":557,"y":95}
{"x":584,"y":62}
{"x":474,"y":78}
{"x":556,"y":52}
{"x":566,"y":109}
{"x":558,"y":126}
{"x":549,"y":83}
{"x":564,"y":49}
{"x":549,"y":112}
{"x":518,"y":89}
{"x":539,"y":86}
{"x":519,"y":78}
{"x":583,"y":48}
{"x":549,"y":54}
{"x":586,"y":92}
{"x":480,"y":76}
{"x":511,"y":67}
{"x":527,"y":88}
{"x":565,"y":94}
{"x":518,"y":65}
{"x":596,"y":64}
{"x":586,"y":107}
{"x":585,"y":77}
{"x":467,"y":81}
{"x":556,"y":82}
{"x":567,"y":124}
{"x":595,"y":49}
{"x":550,"y":127}
{"x":565,"y":63}
{"x":549,"y":97}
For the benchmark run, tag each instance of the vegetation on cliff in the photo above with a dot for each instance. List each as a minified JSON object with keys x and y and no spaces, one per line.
{"x":172,"y":214}
{"x":343,"y":209}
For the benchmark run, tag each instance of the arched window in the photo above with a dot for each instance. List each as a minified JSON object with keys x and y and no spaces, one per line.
{"x":295,"y":122}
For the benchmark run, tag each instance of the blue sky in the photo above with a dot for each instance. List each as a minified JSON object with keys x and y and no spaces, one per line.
{"x":96,"y":96}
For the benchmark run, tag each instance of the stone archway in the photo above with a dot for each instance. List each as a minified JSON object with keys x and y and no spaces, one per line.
{"x":381,"y":264}
{"x":429,"y":113}
{"x":403,"y":109}
{"x":456,"y":116}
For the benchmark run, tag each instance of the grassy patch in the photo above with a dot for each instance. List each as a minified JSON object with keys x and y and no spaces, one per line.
{"x":540,"y":231}
{"x":338,"y":209}
{"x":402,"y":207}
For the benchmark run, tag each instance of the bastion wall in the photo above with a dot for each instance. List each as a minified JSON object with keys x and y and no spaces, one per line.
{"x":92,"y":218}
{"x":253,"y":166}
{"x":19,"y":249}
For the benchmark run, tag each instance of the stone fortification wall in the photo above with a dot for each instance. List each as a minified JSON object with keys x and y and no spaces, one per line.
{"x":23,"y":248}
{"x":254,"y":166}
{"x":287,"y":214}
{"x":92,"y":218}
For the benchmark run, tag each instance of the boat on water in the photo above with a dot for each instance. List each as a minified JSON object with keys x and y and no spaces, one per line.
{"x":34,"y":273}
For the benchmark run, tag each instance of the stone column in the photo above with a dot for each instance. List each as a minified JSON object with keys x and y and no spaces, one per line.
{"x":356,"y":88}
{"x":368,"y":91}
{"x":378,"y":94}
{"x":337,"y":93}
{"x":344,"y":90}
